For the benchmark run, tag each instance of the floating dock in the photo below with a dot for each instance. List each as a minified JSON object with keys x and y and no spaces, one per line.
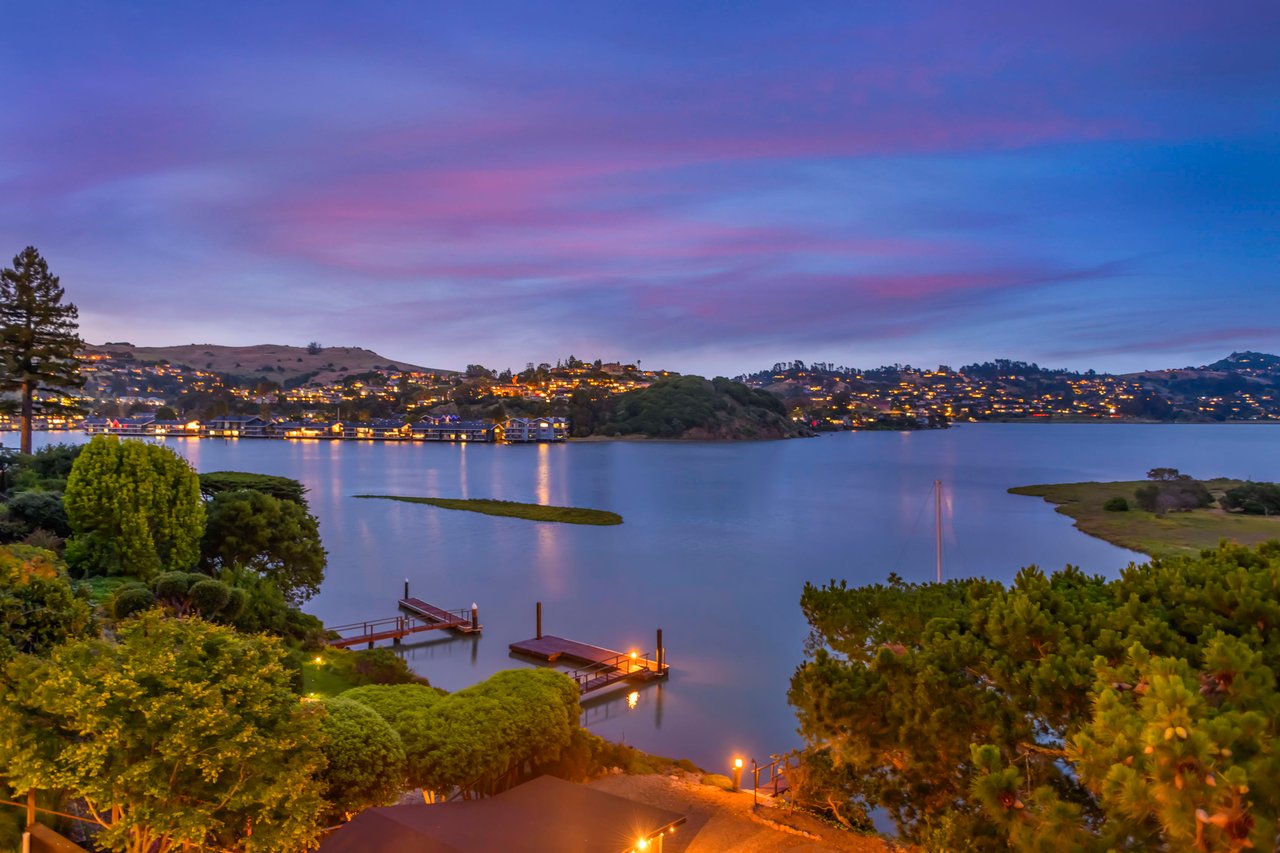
{"x":598,"y":667}
{"x":420,"y":616}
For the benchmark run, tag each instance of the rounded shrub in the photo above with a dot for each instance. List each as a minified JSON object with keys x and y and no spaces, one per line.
{"x":130,"y":599}
{"x":173,"y":585}
{"x":209,"y":596}
{"x":365,"y":760}
{"x":1116,"y":504}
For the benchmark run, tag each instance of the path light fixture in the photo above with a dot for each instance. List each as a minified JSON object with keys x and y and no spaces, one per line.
{"x":737,"y":774}
{"x":755,"y":785}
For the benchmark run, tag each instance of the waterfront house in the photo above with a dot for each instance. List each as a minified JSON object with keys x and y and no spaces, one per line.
{"x":236,"y":426}
{"x":97,"y":426}
{"x":136,"y":425}
{"x":383,"y":429}
{"x":522,"y":430}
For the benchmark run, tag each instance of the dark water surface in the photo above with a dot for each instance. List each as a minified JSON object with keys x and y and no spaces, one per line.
{"x":717,"y":543}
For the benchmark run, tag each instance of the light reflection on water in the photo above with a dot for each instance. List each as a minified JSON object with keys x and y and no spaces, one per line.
{"x":717,"y":543}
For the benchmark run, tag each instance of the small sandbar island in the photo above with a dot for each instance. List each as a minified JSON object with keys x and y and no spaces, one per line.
{"x":513,"y":509}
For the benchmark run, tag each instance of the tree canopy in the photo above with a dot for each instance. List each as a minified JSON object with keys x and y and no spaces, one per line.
{"x":278,"y":539}
{"x":134,"y":509}
{"x":181,"y":733}
{"x":39,"y":339}
{"x":1063,"y":712}
{"x":213,"y":483}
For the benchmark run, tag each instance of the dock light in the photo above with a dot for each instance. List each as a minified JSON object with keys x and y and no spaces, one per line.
{"x":642,"y":844}
{"x":633,"y":655}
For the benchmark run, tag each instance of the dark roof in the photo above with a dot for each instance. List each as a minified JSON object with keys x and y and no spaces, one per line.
{"x":237,"y":419}
{"x":546,"y":814}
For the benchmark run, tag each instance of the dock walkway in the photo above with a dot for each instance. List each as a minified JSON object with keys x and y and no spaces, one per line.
{"x":422,"y":617}
{"x":599,"y":667}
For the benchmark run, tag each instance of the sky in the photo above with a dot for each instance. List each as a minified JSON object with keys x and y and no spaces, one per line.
{"x":704,"y":187}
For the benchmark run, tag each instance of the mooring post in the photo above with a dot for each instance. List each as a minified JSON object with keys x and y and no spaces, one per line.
{"x":660,"y":652}
{"x":475,"y":616}
{"x":406,"y":589}
{"x":539,"y":620}
{"x":31,"y":807}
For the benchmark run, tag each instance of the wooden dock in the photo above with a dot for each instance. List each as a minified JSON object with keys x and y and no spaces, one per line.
{"x":420,"y":616}
{"x":598,"y":667}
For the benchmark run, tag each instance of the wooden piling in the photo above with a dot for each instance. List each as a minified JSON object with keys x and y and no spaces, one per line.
{"x":475,"y":616}
{"x":539,"y":620}
{"x":406,"y":589}
{"x":660,"y":652}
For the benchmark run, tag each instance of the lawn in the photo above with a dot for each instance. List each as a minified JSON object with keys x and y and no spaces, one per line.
{"x":514,"y":509}
{"x":326,"y":674}
{"x":1158,"y":536}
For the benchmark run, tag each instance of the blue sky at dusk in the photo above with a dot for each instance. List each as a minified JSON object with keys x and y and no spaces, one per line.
{"x":706,"y":187}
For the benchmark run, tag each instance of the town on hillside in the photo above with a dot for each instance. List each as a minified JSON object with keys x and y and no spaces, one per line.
{"x":345,"y":392}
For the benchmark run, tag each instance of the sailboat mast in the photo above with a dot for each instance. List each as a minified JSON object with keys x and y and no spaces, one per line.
{"x":937,"y":517}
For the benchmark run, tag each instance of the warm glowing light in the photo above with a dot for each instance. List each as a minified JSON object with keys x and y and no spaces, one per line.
{"x":737,"y":764}
{"x":319,"y":659}
{"x":633,"y":655}
{"x":633,"y":698}
{"x":642,"y":844}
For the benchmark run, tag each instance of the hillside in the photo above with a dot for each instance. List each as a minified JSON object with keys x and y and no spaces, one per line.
{"x":691,"y":407}
{"x":277,"y":362}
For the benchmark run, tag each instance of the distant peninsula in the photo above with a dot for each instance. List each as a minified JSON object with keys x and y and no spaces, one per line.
{"x":1157,"y":535}
{"x":513,"y":509}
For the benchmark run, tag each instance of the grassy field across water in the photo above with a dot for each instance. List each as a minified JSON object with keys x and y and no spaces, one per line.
{"x":1156,"y":535}
{"x":514,"y":509}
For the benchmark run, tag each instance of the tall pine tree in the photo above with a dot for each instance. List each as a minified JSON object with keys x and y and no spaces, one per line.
{"x":39,"y":338}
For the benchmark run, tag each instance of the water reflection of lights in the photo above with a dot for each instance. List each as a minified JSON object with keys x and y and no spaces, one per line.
{"x":633,"y":698}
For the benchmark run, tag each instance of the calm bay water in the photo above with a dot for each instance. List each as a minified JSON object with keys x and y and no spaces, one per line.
{"x":717,"y":543}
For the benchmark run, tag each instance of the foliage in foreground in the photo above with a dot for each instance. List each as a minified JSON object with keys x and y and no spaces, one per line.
{"x":1066,"y":712}
{"x":181,"y":733}
{"x":474,"y":739}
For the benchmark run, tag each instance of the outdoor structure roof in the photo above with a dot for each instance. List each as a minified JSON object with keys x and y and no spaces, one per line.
{"x":544,"y":815}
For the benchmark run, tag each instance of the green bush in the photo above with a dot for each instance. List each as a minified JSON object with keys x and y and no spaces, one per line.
{"x":131,"y":598}
{"x":365,"y":760}
{"x":716,"y":780}
{"x":1253,"y":499}
{"x":1116,"y":504}
{"x":380,"y":666}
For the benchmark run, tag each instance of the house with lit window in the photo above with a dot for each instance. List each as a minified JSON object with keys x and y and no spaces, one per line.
{"x":236,"y":426}
{"x":523,"y":430}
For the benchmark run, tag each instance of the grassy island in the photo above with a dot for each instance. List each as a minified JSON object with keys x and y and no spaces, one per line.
{"x":1165,"y":535}
{"x":515,"y":509}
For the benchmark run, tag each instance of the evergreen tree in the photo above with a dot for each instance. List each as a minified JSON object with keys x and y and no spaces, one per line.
{"x":135,"y":509}
{"x":39,"y":338}
{"x":1066,"y":712}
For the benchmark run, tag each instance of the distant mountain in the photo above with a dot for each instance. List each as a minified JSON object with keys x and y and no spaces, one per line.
{"x":273,"y":361}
